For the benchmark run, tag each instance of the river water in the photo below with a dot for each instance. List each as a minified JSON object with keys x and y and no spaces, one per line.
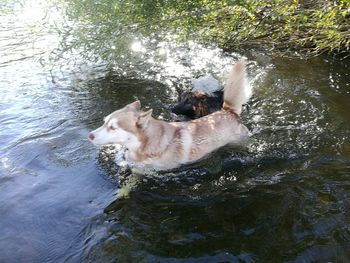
{"x":282,"y":197}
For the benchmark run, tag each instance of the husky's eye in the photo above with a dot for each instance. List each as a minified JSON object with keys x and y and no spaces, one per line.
{"x":112,"y":127}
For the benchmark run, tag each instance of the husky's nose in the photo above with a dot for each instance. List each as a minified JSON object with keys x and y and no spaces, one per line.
{"x":91,"y":136}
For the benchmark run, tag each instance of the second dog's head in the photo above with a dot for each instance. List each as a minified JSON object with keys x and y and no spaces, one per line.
{"x":198,"y":104}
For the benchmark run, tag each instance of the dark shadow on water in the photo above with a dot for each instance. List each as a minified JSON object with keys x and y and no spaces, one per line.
{"x":105,"y":95}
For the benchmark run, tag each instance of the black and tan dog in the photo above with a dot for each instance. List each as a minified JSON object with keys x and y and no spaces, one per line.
{"x":195,"y":104}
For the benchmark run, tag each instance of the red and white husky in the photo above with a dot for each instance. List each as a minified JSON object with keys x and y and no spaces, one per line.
{"x":164,"y":145}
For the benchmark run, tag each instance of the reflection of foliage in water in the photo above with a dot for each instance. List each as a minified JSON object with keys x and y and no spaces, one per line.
{"x":107,"y":27}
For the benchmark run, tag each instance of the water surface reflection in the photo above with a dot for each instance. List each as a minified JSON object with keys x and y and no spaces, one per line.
{"x":282,"y":197}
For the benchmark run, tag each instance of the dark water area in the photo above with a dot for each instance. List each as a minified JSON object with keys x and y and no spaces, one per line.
{"x":282,"y":197}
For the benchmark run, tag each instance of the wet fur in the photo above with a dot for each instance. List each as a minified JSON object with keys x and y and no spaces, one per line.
{"x":198,"y":104}
{"x":165,"y":145}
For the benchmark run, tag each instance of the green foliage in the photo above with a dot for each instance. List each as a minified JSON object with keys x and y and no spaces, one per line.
{"x":311,"y":27}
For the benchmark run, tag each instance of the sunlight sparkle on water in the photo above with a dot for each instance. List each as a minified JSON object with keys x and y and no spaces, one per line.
{"x":137,"y":46}
{"x":33,"y":11}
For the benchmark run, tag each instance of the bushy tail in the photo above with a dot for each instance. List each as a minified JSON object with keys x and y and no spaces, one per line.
{"x":237,"y":90}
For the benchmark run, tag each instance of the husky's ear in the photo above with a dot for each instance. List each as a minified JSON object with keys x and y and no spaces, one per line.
{"x":135,"y":105}
{"x":143,"y":118}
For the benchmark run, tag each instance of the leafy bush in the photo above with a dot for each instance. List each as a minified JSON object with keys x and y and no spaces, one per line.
{"x":310,"y":27}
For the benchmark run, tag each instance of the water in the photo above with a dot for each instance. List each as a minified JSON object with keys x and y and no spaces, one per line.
{"x":282,"y":197}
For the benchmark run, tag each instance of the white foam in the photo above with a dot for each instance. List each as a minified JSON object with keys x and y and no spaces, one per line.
{"x":205,"y":84}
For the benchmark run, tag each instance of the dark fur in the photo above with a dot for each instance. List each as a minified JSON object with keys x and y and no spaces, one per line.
{"x":198,"y":104}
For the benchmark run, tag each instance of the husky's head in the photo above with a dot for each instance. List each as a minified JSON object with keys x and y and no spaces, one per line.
{"x":122,"y":127}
